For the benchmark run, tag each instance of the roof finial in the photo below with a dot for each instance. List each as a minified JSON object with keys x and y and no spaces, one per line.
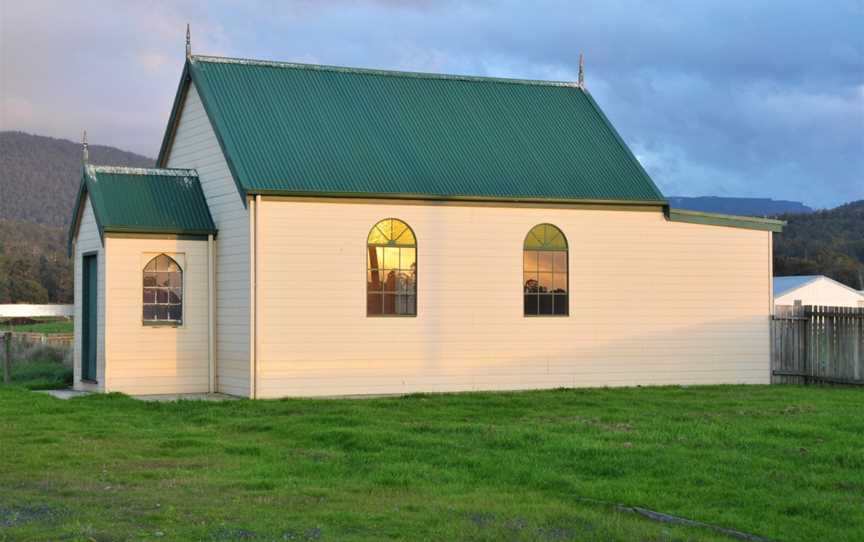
{"x":188,"y":42}
{"x":581,"y":71}
{"x":85,"y":149}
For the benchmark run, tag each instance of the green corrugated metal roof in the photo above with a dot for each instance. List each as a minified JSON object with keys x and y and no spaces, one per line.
{"x":318,"y":130}
{"x":144,"y":200}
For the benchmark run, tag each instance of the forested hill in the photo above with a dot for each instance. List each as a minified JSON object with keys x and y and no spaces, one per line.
{"x":738,"y":206}
{"x":39,"y":175}
{"x":823,"y":243}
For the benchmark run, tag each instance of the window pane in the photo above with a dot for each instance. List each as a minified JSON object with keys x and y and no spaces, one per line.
{"x":406,"y":304}
{"x":405,"y":282}
{"x":554,"y":238}
{"x":161,"y":295}
{"x":530,"y":259}
{"x":162,"y":278}
{"x":386,"y":227}
{"x":389,"y":276}
{"x":391,"y":258}
{"x":407,"y":258}
{"x":375,"y":257}
{"x":406,"y":238}
{"x":377,"y":237}
{"x":530,"y":304}
{"x":149,"y":295}
{"x":161,"y":312}
{"x":545,"y":261}
{"x":534,"y":239}
{"x":175,"y":312}
{"x":545,"y":304}
{"x":149,"y":279}
{"x":529,"y":282}
{"x":373,"y":280}
{"x":559,"y":282}
{"x":398,"y":228}
{"x":175,"y":295}
{"x":389,"y":304}
{"x":151,"y":266}
{"x":545,"y":282}
{"x":175,"y":280}
{"x":373,"y":303}
{"x":561,"y":307}
{"x":559,"y":261}
{"x":149,"y":312}
{"x":168,"y":264}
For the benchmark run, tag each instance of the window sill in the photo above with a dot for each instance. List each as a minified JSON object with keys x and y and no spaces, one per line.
{"x":162,"y":324}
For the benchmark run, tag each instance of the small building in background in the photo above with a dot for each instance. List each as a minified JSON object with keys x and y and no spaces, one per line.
{"x":815,"y":290}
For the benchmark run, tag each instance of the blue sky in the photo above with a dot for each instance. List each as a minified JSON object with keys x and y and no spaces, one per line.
{"x":715,"y":98}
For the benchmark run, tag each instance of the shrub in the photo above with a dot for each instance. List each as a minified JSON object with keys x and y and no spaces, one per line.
{"x":41,"y":375}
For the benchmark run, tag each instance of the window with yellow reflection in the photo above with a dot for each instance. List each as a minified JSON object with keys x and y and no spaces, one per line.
{"x":544,"y":272}
{"x":391,"y":269}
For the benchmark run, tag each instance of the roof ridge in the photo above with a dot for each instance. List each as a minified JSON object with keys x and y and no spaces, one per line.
{"x":382,"y":72}
{"x":129,"y":170}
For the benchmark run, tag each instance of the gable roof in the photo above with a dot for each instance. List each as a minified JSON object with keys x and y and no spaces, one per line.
{"x":298,"y":129}
{"x":143,"y":200}
{"x":784,"y":285}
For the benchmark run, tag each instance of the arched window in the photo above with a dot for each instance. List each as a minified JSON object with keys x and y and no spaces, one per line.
{"x":391,"y":270}
{"x":544,"y":272}
{"x":163,"y":291}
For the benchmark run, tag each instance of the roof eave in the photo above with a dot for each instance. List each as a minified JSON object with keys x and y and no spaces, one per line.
{"x":733,"y":221}
{"x":160,"y":230}
{"x":451,"y":197}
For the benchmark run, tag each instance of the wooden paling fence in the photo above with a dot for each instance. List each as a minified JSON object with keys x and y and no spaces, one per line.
{"x":54,"y":339}
{"x":817,"y":345}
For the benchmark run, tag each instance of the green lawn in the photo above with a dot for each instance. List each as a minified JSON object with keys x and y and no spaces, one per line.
{"x":782,"y":462}
{"x":47,"y":325}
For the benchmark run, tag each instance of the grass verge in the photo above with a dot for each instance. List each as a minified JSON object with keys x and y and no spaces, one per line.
{"x":782,"y":462}
{"x":41,"y":325}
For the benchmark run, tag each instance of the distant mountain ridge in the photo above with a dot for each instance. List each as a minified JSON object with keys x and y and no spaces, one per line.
{"x":39,"y":175}
{"x":739,"y":206}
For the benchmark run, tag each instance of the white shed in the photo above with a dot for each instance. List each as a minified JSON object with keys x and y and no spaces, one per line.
{"x":815,"y":290}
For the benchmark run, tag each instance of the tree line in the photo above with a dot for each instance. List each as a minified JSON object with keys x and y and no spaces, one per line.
{"x":829,"y":243}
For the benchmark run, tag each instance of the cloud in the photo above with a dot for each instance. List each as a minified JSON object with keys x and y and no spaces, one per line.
{"x":749,"y":99}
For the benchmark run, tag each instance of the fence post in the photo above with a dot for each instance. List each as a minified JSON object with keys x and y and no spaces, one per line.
{"x":7,"y":362}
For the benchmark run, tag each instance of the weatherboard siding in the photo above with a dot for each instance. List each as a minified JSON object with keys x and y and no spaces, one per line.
{"x":638,"y":310}
{"x":144,"y":360}
{"x":88,"y":242}
{"x":195,"y":146}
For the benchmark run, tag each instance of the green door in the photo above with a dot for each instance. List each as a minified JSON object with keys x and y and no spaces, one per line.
{"x":88,"y":319}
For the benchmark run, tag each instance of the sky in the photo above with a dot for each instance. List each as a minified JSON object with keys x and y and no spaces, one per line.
{"x":731,"y":98}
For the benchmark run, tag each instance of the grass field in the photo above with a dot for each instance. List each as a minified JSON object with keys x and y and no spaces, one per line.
{"x":785,"y":463}
{"x":43,"y":325}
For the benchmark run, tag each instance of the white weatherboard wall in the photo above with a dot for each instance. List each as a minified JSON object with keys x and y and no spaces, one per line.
{"x":638,"y":310}
{"x":195,"y":146}
{"x":143,"y":359}
{"x":822,"y":291}
{"x":88,"y":242}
